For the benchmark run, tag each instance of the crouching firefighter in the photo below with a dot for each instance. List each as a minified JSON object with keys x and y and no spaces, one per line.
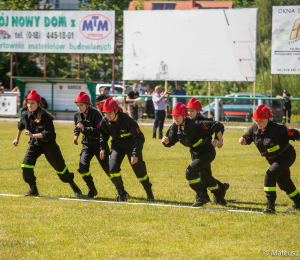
{"x":127,"y":139}
{"x":195,"y":135}
{"x":87,"y":121}
{"x":272,"y":141}
{"x":39,"y":127}
{"x":194,"y":109}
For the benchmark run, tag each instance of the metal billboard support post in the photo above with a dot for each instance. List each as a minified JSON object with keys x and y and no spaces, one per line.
{"x":45,"y":65}
{"x":220,"y":92}
{"x":209,"y":99}
{"x":79,"y":61}
{"x":166,"y":89}
{"x":17,"y":67}
{"x":254,"y":92}
{"x":271,"y":91}
{"x":11,"y":71}
{"x":216,"y":109}
{"x":124,"y":104}
{"x":113,"y":72}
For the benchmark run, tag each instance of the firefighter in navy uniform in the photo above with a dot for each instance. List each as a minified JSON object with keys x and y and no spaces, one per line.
{"x":127,"y":139}
{"x":272,"y":141}
{"x":195,"y":135}
{"x":194,"y":109}
{"x":87,"y":121}
{"x":39,"y":127}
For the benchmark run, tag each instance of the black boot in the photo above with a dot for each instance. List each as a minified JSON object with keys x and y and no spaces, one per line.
{"x":206,"y":197}
{"x":33,"y":190}
{"x":219,"y":199}
{"x":123,"y":195}
{"x":296,"y":206}
{"x":90,"y":183}
{"x":200,"y":199}
{"x":75,"y":188}
{"x":225,"y":188}
{"x":150,"y":196}
{"x":270,"y":209}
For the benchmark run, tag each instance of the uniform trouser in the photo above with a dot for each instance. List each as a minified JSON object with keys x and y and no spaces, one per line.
{"x":54,"y":157}
{"x":116,"y":157}
{"x":279,"y":172}
{"x":206,"y":170}
{"x":87,"y":153}
{"x":159,"y":120}
{"x":135,"y":112}
{"x":289,"y":110}
{"x":199,"y":172}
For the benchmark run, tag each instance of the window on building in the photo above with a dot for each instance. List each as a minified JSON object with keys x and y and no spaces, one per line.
{"x":169,"y":6}
{"x":157,"y":6}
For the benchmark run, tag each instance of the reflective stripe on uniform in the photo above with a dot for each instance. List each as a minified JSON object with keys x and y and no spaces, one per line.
{"x":62,"y":171}
{"x":194,"y":181}
{"x":85,"y":174}
{"x":123,"y":135}
{"x":27,"y":166}
{"x":270,"y":188}
{"x":199,"y":142}
{"x":213,"y":188}
{"x":273,"y":149}
{"x":144,"y":178}
{"x":115,"y":175}
{"x":294,"y":193}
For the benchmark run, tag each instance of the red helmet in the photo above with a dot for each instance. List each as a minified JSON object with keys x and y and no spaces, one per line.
{"x":35,"y":96}
{"x":83,"y":98}
{"x":179,"y":110}
{"x":262,"y":112}
{"x":194,"y":104}
{"x":110,"y":105}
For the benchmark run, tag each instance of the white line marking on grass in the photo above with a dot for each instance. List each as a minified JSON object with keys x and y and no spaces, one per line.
{"x":147,"y":204}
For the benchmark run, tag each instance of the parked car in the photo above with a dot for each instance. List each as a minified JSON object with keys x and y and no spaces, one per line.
{"x":118,"y":87}
{"x":244,"y":105}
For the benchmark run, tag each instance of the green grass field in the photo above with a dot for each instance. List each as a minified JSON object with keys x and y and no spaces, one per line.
{"x":32,"y":228}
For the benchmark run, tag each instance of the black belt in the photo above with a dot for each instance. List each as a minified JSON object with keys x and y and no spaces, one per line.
{"x":285,"y":148}
{"x":160,"y":110}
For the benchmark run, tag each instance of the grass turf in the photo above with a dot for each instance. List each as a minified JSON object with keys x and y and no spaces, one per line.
{"x":52,"y":229}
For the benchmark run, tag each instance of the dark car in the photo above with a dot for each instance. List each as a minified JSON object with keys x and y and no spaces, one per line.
{"x":244,"y":106}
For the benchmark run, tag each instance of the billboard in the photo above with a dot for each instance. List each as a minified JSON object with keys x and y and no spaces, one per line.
{"x":57,"y":31}
{"x":285,"y":58}
{"x":196,"y":45}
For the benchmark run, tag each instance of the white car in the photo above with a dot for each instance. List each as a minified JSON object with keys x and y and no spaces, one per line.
{"x":118,"y":88}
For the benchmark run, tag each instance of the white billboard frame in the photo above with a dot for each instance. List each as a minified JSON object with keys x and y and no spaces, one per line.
{"x":285,"y":55}
{"x":150,"y":45}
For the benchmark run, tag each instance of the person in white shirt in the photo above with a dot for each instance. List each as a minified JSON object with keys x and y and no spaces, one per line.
{"x":159,"y":102}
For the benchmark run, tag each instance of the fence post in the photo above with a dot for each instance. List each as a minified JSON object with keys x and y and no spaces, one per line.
{"x":216,"y":109}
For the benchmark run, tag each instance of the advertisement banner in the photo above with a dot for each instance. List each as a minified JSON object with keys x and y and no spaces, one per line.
{"x":195,"y":45}
{"x":285,"y":58}
{"x":57,"y":31}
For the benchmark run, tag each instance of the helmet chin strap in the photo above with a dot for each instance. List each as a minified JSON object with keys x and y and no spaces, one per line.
{"x":85,"y":112}
{"x":181,"y":124}
{"x":115,"y":116}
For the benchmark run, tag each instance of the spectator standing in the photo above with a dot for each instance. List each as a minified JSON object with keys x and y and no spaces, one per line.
{"x":159,"y":102}
{"x":132,"y":96}
{"x":287,"y":106}
{"x":111,"y":92}
{"x":149,"y":102}
{"x":101,"y":98}
{"x":180,"y":91}
{"x":142,"y":90}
